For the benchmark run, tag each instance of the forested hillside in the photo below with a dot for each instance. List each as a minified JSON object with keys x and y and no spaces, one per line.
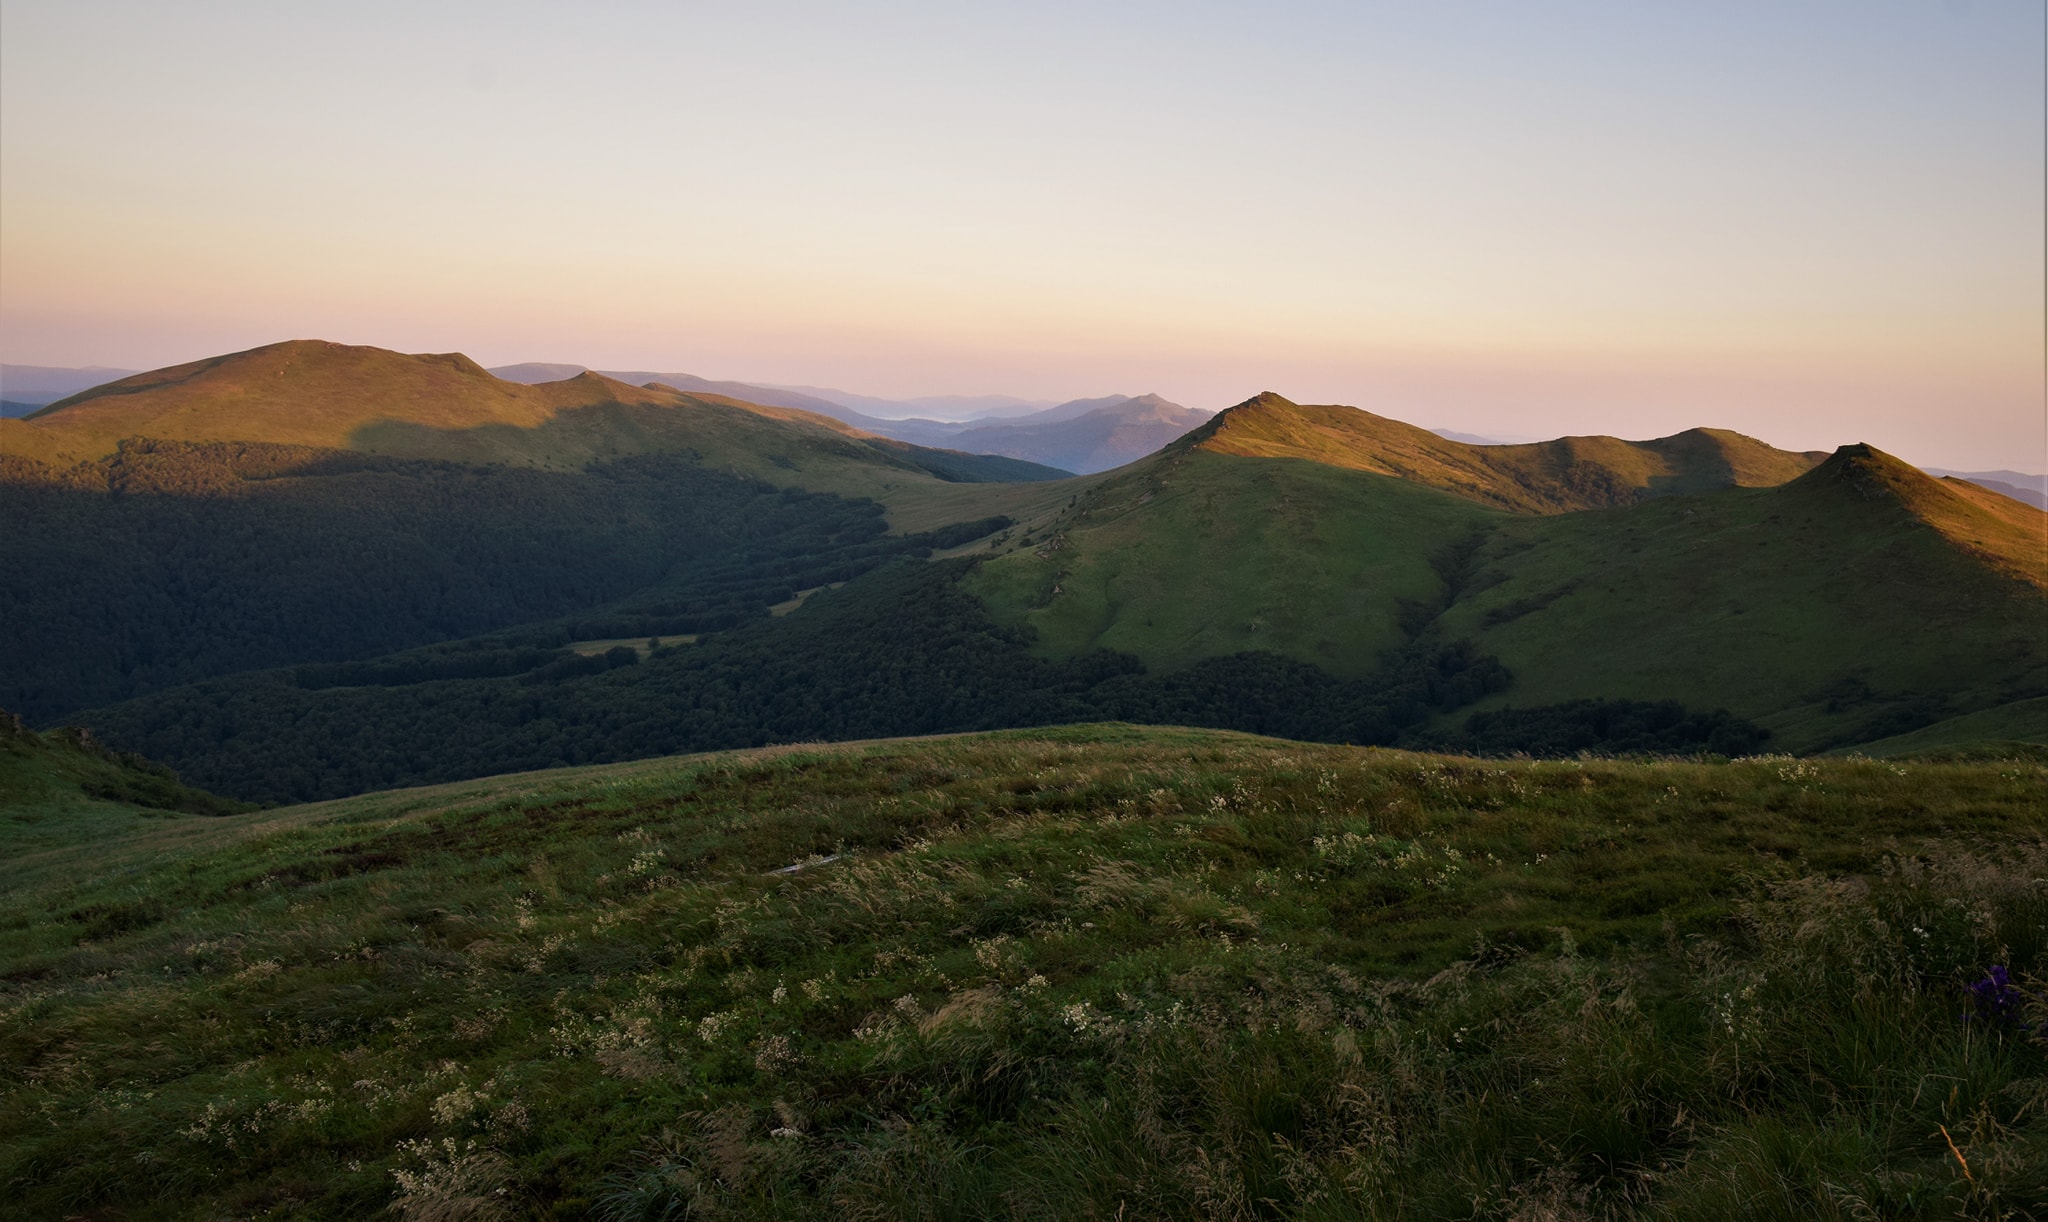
{"x":172,"y":562}
{"x":904,"y":650}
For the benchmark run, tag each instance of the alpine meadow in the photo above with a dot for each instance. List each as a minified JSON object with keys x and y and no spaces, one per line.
{"x":1574,"y":749}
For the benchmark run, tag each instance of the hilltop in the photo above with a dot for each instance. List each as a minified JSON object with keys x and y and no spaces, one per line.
{"x":1861,"y":600}
{"x":322,"y":395}
{"x":1561,"y":476}
{"x":1070,"y":972}
{"x":312,"y":393}
{"x":1195,"y":554}
{"x":1082,"y":436}
{"x":313,"y":502}
{"x":1107,"y":434}
{"x":1323,"y":533}
{"x":1710,"y":569}
{"x":534,"y":373}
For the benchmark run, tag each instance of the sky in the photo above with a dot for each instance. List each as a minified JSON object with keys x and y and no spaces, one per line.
{"x":1816,"y":222}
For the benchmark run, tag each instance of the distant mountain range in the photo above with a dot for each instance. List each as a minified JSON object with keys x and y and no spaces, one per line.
{"x":29,"y":388}
{"x":931,"y":407}
{"x":2030,"y":489}
{"x":445,"y":406}
{"x":992,"y":424}
{"x":958,"y":409}
{"x":309,"y":569}
{"x":1082,"y":436}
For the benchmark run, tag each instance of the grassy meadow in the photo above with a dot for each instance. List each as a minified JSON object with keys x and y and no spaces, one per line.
{"x":2022,"y":721}
{"x":1094,"y":972}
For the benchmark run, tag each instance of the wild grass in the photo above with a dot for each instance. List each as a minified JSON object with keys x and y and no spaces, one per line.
{"x":1094,"y":973}
{"x":2022,"y":721}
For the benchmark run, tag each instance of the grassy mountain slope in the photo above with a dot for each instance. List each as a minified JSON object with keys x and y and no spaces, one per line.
{"x":446,"y":407}
{"x":51,"y":782}
{"x":781,"y":446}
{"x":1195,"y":554}
{"x":20,"y":440}
{"x":1853,"y":603}
{"x":534,"y":373}
{"x":313,"y":393}
{"x":311,"y":502}
{"x":2022,"y":721}
{"x":1065,"y":973}
{"x":1545,"y":477}
{"x":1325,"y":533}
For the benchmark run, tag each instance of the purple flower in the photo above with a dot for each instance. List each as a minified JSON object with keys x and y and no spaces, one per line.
{"x":1995,"y":998}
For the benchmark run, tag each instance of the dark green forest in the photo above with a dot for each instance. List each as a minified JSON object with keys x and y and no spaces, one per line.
{"x":172,"y":562}
{"x":1614,"y":727}
{"x":903,"y":650}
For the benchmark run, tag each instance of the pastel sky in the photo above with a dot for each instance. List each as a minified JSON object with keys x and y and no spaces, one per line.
{"x":1815,"y":222}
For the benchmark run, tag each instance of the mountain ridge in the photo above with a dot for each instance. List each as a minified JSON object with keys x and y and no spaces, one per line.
{"x":1859,"y":601}
{"x":447,"y":406}
{"x":2009,"y":534}
{"x":1562,"y":475}
{"x":1625,"y":590}
{"x":1068,"y":436}
{"x":1110,"y":433}
{"x":537,"y":373}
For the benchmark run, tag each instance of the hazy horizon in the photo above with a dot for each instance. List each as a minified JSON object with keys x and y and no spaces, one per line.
{"x":1813,"y":226}
{"x":861,"y":401}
